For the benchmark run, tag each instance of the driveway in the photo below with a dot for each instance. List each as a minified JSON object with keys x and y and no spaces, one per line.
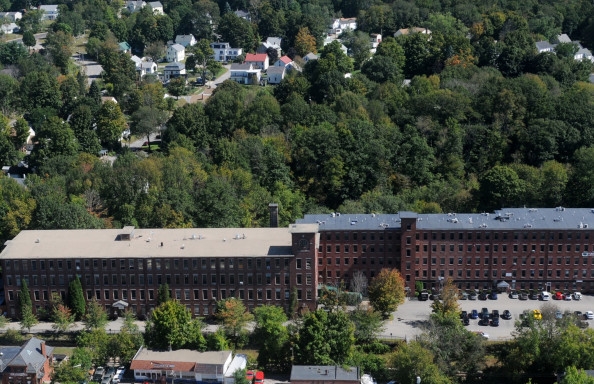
{"x":92,"y":68}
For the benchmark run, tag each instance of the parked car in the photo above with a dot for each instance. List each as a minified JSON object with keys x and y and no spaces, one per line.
{"x":495,"y":314}
{"x":472,"y":296}
{"x":482,"y":296}
{"x":463,"y":314}
{"x":513,"y":295}
{"x":484,"y":313}
{"x":545,"y":296}
{"x":558,"y":296}
{"x":577,"y":296}
{"x":474,"y":314}
{"x":578,"y":314}
{"x":495,"y":322}
{"x":558,"y":314}
{"x":484,"y":321}
{"x":110,"y":371}
{"x":589,"y":315}
{"x":106,"y":380}
{"x":523,"y":296}
{"x":493,"y":295}
{"x":99,"y":373}
{"x":567,"y":296}
{"x":533,"y":295}
{"x":537,"y":314}
{"x":463,"y":295}
{"x":506,"y":315}
{"x":466,"y":321}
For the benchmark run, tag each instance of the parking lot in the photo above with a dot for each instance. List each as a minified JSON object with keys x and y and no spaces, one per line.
{"x":408,"y":320}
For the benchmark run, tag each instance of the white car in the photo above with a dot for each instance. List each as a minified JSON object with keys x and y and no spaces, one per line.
{"x":577,"y":296}
{"x":589,"y":315}
{"x":567,"y":297}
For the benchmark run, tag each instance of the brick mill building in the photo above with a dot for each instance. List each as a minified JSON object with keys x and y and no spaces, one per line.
{"x":529,"y":248}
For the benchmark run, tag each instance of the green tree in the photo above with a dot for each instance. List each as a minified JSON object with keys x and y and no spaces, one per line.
{"x":62,"y":318}
{"x":576,"y":376}
{"x":368,"y":324}
{"x":95,"y":345}
{"x":237,"y":31}
{"x":447,"y":305}
{"x":96,"y":316}
{"x":233,"y":317}
{"x":128,"y":340}
{"x":76,"y":298}
{"x":28,"y":318}
{"x":386,"y":291}
{"x":177,"y":87}
{"x":148,"y":120}
{"x":110,"y":124}
{"x":272,"y":337}
{"x":60,"y":46}
{"x":239,"y":376}
{"x":163,"y":294}
{"x":171,"y":326}
{"x":68,"y":372}
{"x":499,"y":187}
{"x":29,"y":39}
{"x":410,"y":361}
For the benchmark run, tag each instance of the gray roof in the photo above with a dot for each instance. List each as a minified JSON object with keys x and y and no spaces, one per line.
{"x":241,"y":67}
{"x":175,"y":66}
{"x":584,"y":51}
{"x":178,"y":47}
{"x":542,"y":45}
{"x":274,"y":40}
{"x":49,"y":8}
{"x":274,"y":70}
{"x":505,"y":219}
{"x":28,"y":355}
{"x":311,"y":56}
{"x":147,"y":64}
{"x":563,"y":38}
{"x":242,"y":14}
{"x":324,"y":373}
{"x":155,"y":4}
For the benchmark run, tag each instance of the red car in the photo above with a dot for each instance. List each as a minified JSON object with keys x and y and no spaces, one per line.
{"x":559,"y":296}
{"x":259,"y":377}
{"x":249,"y":376}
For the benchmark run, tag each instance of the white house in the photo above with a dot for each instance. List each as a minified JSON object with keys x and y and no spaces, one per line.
{"x":223,"y":52}
{"x":343,"y":24}
{"x":156,"y":7}
{"x":11,"y":16}
{"x":137,"y":61}
{"x":258,"y":60}
{"x":544,"y":46}
{"x":375,"y":39}
{"x":581,"y":54}
{"x":50,"y":12}
{"x":173,"y":70}
{"x":135,"y":6}
{"x":245,"y":73}
{"x":287,"y":63}
{"x":186,"y":40}
{"x":243,"y":15}
{"x":271,"y":42}
{"x":9,"y":28}
{"x":310,"y":56}
{"x":176,"y":52}
{"x":408,"y":31}
{"x":276,"y":74}
{"x":147,"y":68}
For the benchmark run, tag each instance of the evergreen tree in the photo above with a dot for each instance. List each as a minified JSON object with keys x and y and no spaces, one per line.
{"x":76,"y":298}
{"x":163,"y":294}
{"x":28,"y":318}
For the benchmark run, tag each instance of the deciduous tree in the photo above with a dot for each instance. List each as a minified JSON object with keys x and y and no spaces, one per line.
{"x":234,"y":317}
{"x":272,"y":337}
{"x":386,"y":291}
{"x":96,"y":316}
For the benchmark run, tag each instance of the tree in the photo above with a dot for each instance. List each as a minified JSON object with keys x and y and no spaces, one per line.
{"x":240,"y":377}
{"x":177,"y":86}
{"x":237,"y":31}
{"x":127,"y":342}
{"x":69,"y":372}
{"x":148,"y":120}
{"x":368,"y":324}
{"x":410,"y":361}
{"x":163,"y":294}
{"x":95,"y":345}
{"x":272,"y":337}
{"x":110,"y":124}
{"x":448,"y":300}
{"x":28,"y":318}
{"x":155,"y":51}
{"x":386,"y":291}
{"x":170,"y":325}
{"x":305,"y":42}
{"x":359,"y":282}
{"x":576,"y":376}
{"x":54,"y":138}
{"x":203,"y":58}
{"x":60,"y":46}
{"x":499,"y":186}
{"x":29,"y":39}
{"x":76,"y":298}
{"x":62,"y":318}
{"x":234,"y":317}
{"x":96,"y":316}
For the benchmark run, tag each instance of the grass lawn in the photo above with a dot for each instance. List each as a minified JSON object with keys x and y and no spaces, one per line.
{"x":64,"y":350}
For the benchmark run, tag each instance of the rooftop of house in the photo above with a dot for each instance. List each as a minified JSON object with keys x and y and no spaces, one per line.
{"x":147,"y":243}
{"x":124,"y":46}
{"x":311,"y":56}
{"x":324,"y":373}
{"x":155,"y":4}
{"x":286,"y":59}
{"x":258,"y":57}
{"x":49,"y":7}
{"x":241,"y":67}
{"x":276,"y":41}
{"x":177,"y":47}
{"x":180,"y":360}
{"x":542,"y":45}
{"x":275,"y":70}
{"x":28,"y":355}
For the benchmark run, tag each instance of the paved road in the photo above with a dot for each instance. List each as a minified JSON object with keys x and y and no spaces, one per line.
{"x":92,"y":68}
{"x":213,"y":84}
{"x":38,"y":37}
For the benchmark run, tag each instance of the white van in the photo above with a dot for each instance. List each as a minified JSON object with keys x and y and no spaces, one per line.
{"x":545,"y":296}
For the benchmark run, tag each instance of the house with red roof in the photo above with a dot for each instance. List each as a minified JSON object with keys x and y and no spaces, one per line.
{"x":287,"y":63}
{"x":258,"y":60}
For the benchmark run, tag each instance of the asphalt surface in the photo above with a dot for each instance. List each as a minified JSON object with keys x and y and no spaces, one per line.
{"x":408,"y":320}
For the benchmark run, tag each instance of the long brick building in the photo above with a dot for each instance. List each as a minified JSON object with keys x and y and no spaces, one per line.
{"x":545,"y":248}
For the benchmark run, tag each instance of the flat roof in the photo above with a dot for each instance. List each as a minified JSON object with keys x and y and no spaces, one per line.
{"x":324,"y":373}
{"x":558,"y":218}
{"x":149,"y":243}
{"x":183,"y":355}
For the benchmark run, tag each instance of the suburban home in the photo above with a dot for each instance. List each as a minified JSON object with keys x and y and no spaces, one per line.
{"x":310,"y":56}
{"x":9,"y":28}
{"x":375,"y":39}
{"x":408,"y":31}
{"x":173,"y":70}
{"x":105,"y":99}
{"x":581,"y":54}
{"x":287,"y":63}
{"x":276,"y":74}
{"x":544,"y":46}
{"x":135,"y":6}
{"x":327,"y":374}
{"x":30,"y":363}
{"x":50,"y":12}
{"x":185,"y":40}
{"x":271,"y":42}
{"x":185,"y":365}
{"x":223,"y":52}
{"x":147,"y":68}
{"x":137,"y":61}
{"x":156,"y":7}
{"x":258,"y":60}
{"x":330,"y":39}
{"x":124,"y":47}
{"x":175,"y":52}
{"x":343,"y":24}
{"x":243,"y":15}
{"x":245,"y":73}
{"x":11,"y":16}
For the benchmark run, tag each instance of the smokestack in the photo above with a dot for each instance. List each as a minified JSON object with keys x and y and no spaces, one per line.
{"x":273,"y":215}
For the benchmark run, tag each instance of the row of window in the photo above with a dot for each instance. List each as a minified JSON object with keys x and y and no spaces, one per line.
{"x":524,"y":235}
{"x":356,"y":261}
{"x":346,"y":236}
{"x":158,"y":264}
{"x":515,"y":248}
{"x":515,"y":260}
{"x":567,"y":273}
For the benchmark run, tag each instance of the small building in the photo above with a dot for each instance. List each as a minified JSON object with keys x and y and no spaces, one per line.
{"x":544,"y":46}
{"x":271,"y":42}
{"x":185,"y":365}
{"x":124,"y":47}
{"x":326,"y":374}
{"x":186,"y":40}
{"x":243,"y":15}
{"x":9,"y":28}
{"x":223,"y":52}
{"x":30,"y":363}
{"x":11,"y":16}
{"x":276,"y":74}
{"x":245,"y":73}
{"x":258,"y":60}
{"x":147,"y":68}
{"x":173,"y":70}
{"x":343,"y":24}
{"x":50,"y":12}
{"x":408,"y":31}
{"x":287,"y":63}
{"x":310,"y":56}
{"x":175,"y":52}
{"x":375,"y":39}
{"x":135,"y":6}
{"x":156,"y":7}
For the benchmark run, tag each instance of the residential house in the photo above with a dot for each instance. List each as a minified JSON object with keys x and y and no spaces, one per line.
{"x":186,"y":40}
{"x":173,"y":70}
{"x":544,"y":46}
{"x":187,"y":365}
{"x":176,"y":52}
{"x":245,"y":73}
{"x":147,"y":68}
{"x":30,"y":363}
{"x":156,"y":7}
{"x":375,"y":39}
{"x":137,"y":61}
{"x":105,"y":99}
{"x":327,"y":374}
{"x":287,"y":63}
{"x":258,"y":60}
{"x":310,"y":56}
{"x":11,"y":16}
{"x":223,"y":52}
{"x":50,"y":12}
{"x":329,"y":39}
{"x":581,"y":54}
{"x":9,"y":28}
{"x":343,"y":24}
{"x":135,"y":6}
{"x":408,"y":31}
{"x":243,"y":15}
{"x":276,"y":74}
{"x":271,"y":42}
{"x":124,"y":47}
{"x":563,"y":38}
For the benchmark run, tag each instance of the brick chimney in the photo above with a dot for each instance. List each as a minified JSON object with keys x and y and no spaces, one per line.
{"x":273,"y":215}
{"x":43,"y":351}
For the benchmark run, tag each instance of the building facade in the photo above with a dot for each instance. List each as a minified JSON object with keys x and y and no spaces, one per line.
{"x":546,"y":248}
